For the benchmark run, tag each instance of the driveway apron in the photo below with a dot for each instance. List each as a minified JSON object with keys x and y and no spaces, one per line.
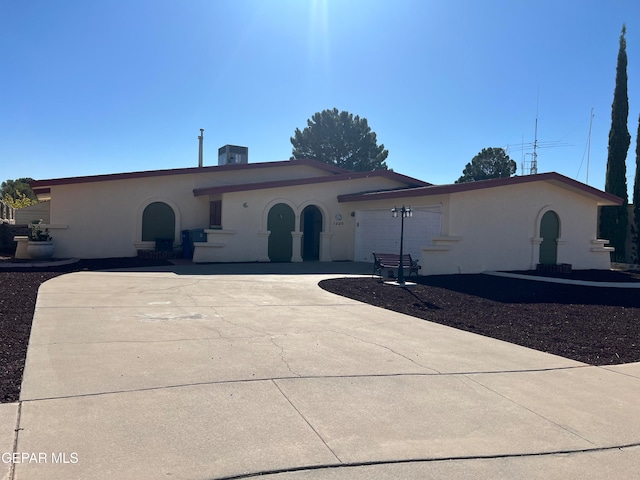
{"x":186,"y":375}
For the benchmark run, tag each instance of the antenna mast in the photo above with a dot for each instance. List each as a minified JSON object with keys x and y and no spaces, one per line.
{"x":589,"y":144}
{"x":534,"y":158}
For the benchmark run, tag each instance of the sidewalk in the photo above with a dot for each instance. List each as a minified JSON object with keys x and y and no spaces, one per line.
{"x":186,"y":375}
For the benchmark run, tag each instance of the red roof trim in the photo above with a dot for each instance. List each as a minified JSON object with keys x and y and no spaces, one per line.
{"x":185,"y":171}
{"x":411,"y":182}
{"x":498,"y":182}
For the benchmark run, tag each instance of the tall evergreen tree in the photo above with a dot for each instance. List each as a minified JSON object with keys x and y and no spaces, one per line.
{"x":489,"y":163}
{"x":635,"y":229}
{"x":614,"y":220}
{"x":340,"y":139}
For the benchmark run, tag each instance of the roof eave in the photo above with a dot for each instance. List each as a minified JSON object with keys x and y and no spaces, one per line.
{"x":602,"y":198}
{"x":184,"y":171}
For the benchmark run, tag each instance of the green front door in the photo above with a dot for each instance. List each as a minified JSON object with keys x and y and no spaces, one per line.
{"x":281,"y":222}
{"x":549,"y":231}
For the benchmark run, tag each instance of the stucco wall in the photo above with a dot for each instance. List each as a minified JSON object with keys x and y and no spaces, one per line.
{"x":244,"y":236}
{"x":103,"y":219}
{"x":498,"y":229}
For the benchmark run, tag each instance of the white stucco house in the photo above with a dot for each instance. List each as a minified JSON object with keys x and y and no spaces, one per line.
{"x":301,"y":210}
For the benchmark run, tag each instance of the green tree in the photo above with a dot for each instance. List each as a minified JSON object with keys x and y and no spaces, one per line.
{"x":340,"y":139}
{"x":489,"y":163}
{"x":614,"y":220}
{"x":635,"y":228}
{"x":11,"y":188}
{"x":20,"y":200}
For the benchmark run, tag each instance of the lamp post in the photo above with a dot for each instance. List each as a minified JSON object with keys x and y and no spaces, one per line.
{"x":404,"y":213}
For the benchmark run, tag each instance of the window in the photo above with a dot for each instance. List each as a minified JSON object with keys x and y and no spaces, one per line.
{"x":215,"y":214}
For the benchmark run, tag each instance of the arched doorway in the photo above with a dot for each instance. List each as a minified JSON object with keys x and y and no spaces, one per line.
{"x":549,"y":232}
{"x":311,"y":226}
{"x":158,"y":222}
{"x":281,"y":221}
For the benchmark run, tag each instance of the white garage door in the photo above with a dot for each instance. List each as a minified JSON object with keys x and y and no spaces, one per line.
{"x":377,"y":231}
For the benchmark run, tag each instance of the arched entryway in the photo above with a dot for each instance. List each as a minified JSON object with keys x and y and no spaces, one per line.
{"x":158,"y":222}
{"x":311,"y":226}
{"x":549,"y":232}
{"x":281,"y":221}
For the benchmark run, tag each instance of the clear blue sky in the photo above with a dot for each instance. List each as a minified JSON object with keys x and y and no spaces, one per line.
{"x":91,"y":87}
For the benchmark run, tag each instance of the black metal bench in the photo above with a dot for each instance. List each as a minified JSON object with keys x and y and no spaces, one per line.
{"x":392,"y":260}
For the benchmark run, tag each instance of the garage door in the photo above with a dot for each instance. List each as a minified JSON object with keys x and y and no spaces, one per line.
{"x":378,"y":231}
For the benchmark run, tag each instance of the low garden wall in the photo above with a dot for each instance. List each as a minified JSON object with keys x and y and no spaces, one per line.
{"x":7,"y":232}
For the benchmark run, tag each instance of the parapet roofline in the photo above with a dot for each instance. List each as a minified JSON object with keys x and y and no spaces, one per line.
{"x":553,"y":177}
{"x":408,"y":181}
{"x":41,"y":184}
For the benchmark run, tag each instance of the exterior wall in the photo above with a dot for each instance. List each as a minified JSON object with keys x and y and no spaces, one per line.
{"x":103,"y":219}
{"x":38,"y":211}
{"x":244,"y":236}
{"x":483,"y":229}
{"x":498,"y":229}
{"x":431,"y":203}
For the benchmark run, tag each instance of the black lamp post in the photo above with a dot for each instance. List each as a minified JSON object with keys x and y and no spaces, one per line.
{"x":404,"y":212}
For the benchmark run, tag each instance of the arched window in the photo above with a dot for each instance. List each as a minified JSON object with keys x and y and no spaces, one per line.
{"x":158,"y":222}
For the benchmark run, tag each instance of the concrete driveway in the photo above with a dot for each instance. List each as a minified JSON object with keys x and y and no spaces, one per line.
{"x":186,"y":375}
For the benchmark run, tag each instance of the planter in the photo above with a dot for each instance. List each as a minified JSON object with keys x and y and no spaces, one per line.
{"x":40,"y":250}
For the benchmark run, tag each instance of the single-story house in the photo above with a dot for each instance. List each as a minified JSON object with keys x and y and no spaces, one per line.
{"x":299,"y":210}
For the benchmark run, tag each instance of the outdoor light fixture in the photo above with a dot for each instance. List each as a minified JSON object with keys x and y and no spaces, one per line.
{"x":405,"y":212}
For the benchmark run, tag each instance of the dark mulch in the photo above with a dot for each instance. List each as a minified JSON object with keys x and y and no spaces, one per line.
{"x":18,"y":291}
{"x":595,"y":325}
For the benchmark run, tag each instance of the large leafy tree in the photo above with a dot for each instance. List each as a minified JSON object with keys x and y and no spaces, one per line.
{"x":18,"y":190}
{"x":489,"y":163}
{"x":340,"y":139}
{"x":614,"y":220}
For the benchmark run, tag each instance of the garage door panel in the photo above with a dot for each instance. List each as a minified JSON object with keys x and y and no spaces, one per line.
{"x":378,"y":231}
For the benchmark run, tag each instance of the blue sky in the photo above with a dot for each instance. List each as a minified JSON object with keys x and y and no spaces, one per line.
{"x":91,"y":87}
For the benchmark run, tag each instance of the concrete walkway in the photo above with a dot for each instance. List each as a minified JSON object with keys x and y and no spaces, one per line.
{"x":187,"y":375}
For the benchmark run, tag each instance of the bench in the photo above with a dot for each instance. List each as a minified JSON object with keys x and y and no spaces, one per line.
{"x":392,"y":260}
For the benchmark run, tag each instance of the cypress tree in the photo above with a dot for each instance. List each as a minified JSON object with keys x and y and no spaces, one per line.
{"x":636,"y":202}
{"x":614,"y":220}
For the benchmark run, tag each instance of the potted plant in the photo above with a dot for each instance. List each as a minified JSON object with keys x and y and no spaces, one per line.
{"x":40,"y":246}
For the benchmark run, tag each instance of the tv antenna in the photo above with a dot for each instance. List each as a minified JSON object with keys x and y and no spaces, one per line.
{"x":531,"y":167}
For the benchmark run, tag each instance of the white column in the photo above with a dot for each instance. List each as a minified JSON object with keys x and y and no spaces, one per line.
{"x":296,"y":255}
